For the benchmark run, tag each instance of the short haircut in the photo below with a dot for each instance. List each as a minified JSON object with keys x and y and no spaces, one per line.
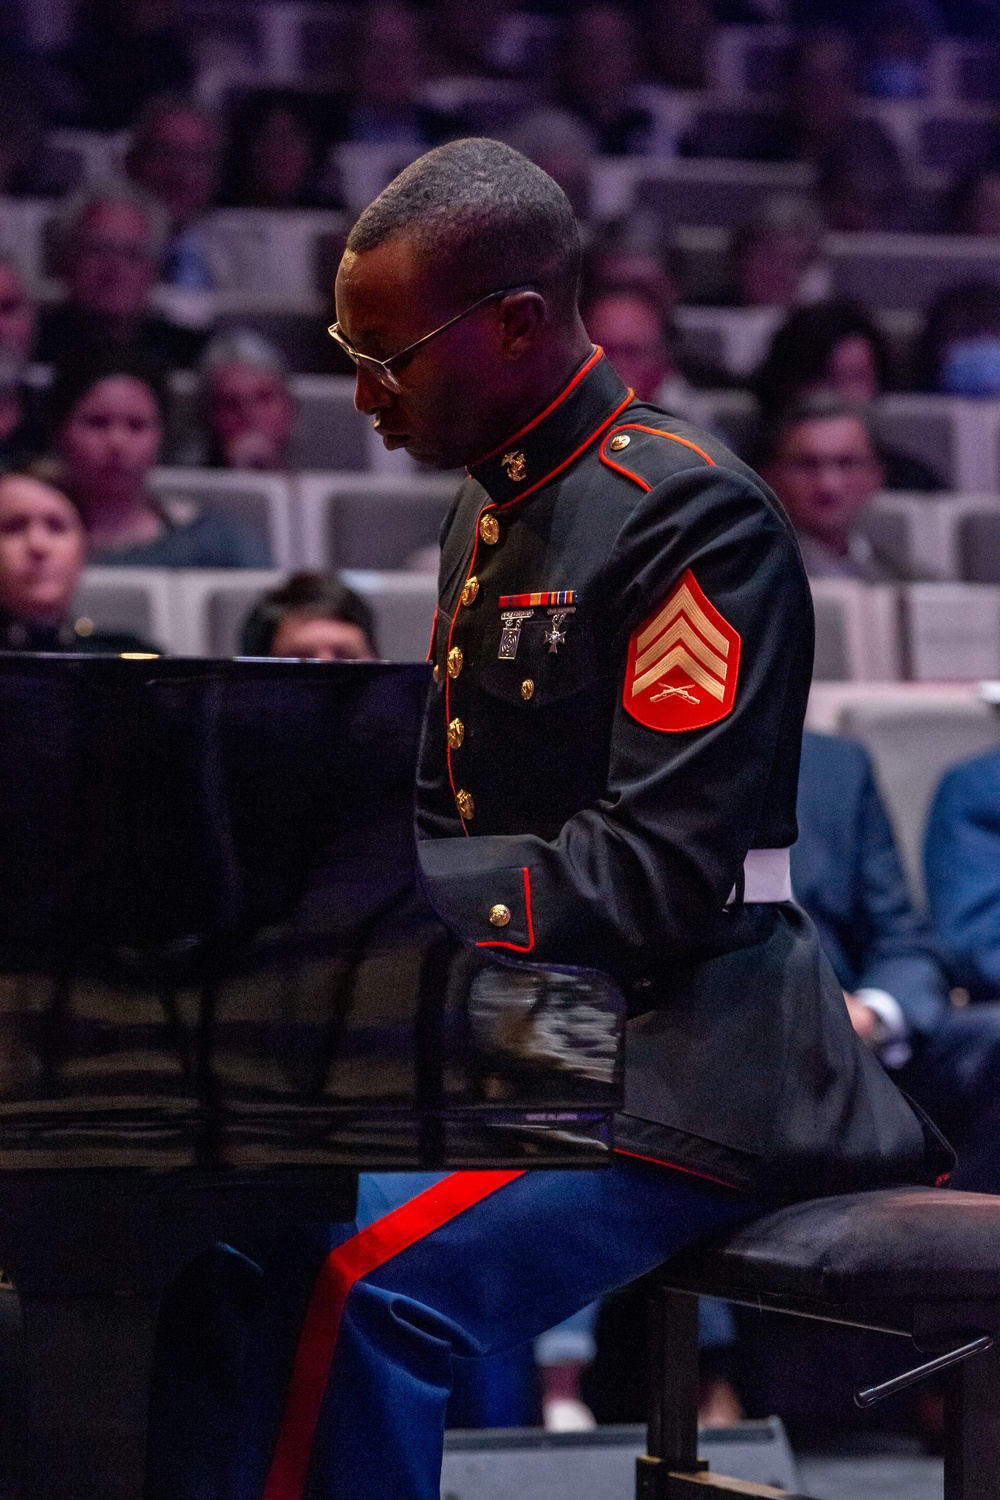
{"x":240,"y":346}
{"x":800,"y":350}
{"x":320,"y":595}
{"x":820,"y":406}
{"x":117,"y":190}
{"x":75,"y":378}
{"x":485,"y":217}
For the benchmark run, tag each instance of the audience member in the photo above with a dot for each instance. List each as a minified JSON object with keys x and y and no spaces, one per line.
{"x":22,"y":425}
{"x":962,"y":866}
{"x":896,"y":47}
{"x":246,"y":402}
{"x":678,"y":35}
{"x":110,"y":247}
{"x":627,"y":323}
{"x":847,"y":875}
{"x":562,"y":145}
{"x":274,"y":154}
{"x":108,"y":419}
{"x":312,"y":615}
{"x":837,"y":347}
{"x":861,"y":186}
{"x":176,"y":155}
{"x":29,"y":167}
{"x":122,"y":53}
{"x":973,"y":206}
{"x":628,"y":251}
{"x":387,"y":67}
{"x":960,"y":348}
{"x":820,"y":459}
{"x":489,"y":39}
{"x":43,"y":551}
{"x":774,"y":258}
{"x":599,"y":82}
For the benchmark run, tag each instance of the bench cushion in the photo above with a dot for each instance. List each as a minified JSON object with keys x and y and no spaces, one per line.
{"x":898,"y":1245}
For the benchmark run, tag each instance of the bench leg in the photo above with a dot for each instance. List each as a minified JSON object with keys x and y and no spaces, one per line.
{"x":972,"y":1428}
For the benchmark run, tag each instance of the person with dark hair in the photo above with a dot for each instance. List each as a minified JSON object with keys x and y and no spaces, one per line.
{"x":22,"y":423}
{"x":621,"y":655}
{"x":274,"y":154}
{"x":312,"y":615}
{"x":599,"y":72}
{"x":626,"y":322}
{"x":108,"y":417}
{"x":861,"y":185}
{"x":176,"y":155}
{"x":838,"y":348}
{"x":123,"y":53}
{"x":43,"y":552}
{"x":973,"y":205}
{"x":959,"y":350}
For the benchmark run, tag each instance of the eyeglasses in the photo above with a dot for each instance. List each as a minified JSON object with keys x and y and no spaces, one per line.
{"x":379,"y":368}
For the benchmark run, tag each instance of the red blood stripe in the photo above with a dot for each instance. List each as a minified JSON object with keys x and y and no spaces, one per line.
{"x":357,"y":1257}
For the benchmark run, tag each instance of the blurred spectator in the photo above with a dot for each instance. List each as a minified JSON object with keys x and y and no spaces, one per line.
{"x":561,"y":145}
{"x":123,"y":53}
{"x":678,"y":34}
{"x":108,"y":417}
{"x":860,"y":183}
{"x":22,"y":425}
{"x":313,"y":615}
{"x":837,"y":347}
{"x":960,"y":348}
{"x":962,"y":864}
{"x":488,"y":39}
{"x":43,"y":551}
{"x":247,"y":405}
{"x":974,"y":205}
{"x":897,"y":46}
{"x":274,"y":155}
{"x":28,"y":167}
{"x":629,"y":252}
{"x":599,"y":82}
{"x":388,"y":64}
{"x":775,"y":257}
{"x":627,"y":323}
{"x":110,"y":244}
{"x":176,"y":155}
{"x":820,"y":460}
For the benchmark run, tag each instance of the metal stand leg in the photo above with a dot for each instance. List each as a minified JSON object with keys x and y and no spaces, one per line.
{"x":972,"y":1428}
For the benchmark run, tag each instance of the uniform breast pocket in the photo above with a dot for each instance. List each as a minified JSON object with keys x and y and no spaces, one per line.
{"x":544,"y":657}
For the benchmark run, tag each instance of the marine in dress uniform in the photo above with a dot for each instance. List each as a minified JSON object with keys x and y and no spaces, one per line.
{"x":621,"y":660}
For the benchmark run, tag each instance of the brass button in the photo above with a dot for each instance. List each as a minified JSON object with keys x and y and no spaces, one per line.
{"x":489,"y":530}
{"x":499,"y":914}
{"x":618,"y":443}
{"x":527,"y":688}
{"x":456,"y":734}
{"x":471,"y":590}
{"x":466,"y":805}
{"x":437,"y":671}
{"x":454,"y":661}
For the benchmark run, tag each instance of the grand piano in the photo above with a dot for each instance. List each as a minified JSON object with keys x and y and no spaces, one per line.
{"x":223,"y":993}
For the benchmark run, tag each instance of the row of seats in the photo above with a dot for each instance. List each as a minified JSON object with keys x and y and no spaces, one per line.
{"x":201,"y":611}
{"x":325,"y":520}
{"x":921,"y":632}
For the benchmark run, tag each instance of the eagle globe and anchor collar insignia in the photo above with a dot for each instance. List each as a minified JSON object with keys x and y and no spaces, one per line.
{"x":516,"y":467}
{"x":683,"y":663}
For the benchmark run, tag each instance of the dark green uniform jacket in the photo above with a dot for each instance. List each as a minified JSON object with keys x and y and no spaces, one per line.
{"x":622,"y":656}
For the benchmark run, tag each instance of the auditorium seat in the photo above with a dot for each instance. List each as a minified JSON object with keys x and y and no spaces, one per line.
{"x":977,"y":544}
{"x":952,"y":631}
{"x":367,"y":521}
{"x":211,"y":605}
{"x":691,"y":190}
{"x":135,"y":601}
{"x":403,"y":605}
{"x":749,"y":59}
{"x":857,"y":631}
{"x":735,"y":338}
{"x":262,"y":503}
{"x":907,"y":270}
{"x":268,"y":253}
{"x":915,"y":528}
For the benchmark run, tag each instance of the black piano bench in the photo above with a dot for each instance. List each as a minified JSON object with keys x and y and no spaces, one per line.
{"x":920,"y":1262}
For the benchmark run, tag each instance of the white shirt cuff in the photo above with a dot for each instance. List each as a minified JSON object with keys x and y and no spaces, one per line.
{"x":893,"y":1049}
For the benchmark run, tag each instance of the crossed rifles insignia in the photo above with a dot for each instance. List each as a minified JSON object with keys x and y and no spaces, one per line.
{"x":683,"y":663}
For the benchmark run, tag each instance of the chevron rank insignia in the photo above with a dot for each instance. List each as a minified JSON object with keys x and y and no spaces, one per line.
{"x":682,"y":663}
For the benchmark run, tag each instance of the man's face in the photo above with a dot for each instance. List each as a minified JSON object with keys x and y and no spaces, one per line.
{"x":111,"y":266}
{"x":18,"y":314}
{"x":825,"y":473}
{"x":631,"y":335}
{"x":250,"y":411}
{"x":179,"y":161}
{"x":454,"y":389}
{"x":318,"y":638}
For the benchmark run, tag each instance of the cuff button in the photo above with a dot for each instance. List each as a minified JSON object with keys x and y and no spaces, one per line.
{"x":499,"y":914}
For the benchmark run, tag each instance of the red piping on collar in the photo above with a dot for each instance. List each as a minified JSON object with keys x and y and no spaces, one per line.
{"x":518,"y":947}
{"x":567,"y":461}
{"x":585,"y":369}
{"x":638,"y":427}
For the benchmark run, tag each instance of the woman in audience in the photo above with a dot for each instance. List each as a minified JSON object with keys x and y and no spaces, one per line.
{"x":315,"y":616}
{"x":43,"y":551}
{"x":274,"y":156}
{"x":108,"y":418}
{"x":960,"y":348}
{"x":246,"y":402}
{"x":837,"y":347}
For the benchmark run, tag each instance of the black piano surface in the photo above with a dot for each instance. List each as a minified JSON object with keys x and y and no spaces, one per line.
{"x":223,"y":992}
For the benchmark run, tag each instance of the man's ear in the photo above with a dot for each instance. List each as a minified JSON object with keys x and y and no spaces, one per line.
{"x":523,"y":316}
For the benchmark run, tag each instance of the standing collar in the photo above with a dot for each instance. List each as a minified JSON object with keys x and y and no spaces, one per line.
{"x":550,"y":441}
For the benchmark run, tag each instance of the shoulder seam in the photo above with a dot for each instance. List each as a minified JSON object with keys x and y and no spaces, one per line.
{"x":656,"y":432}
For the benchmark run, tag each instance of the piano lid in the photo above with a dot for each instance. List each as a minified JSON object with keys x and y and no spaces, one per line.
{"x":215,"y":948}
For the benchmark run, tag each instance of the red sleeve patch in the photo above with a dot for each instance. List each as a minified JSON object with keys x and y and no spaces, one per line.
{"x":683,"y":662}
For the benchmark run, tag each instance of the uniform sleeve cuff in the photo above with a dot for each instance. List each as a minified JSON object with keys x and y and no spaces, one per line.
{"x":491,"y":909}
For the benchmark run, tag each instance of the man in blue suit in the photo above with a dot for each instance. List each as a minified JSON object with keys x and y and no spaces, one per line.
{"x":962,"y":860}
{"x":847,"y":874}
